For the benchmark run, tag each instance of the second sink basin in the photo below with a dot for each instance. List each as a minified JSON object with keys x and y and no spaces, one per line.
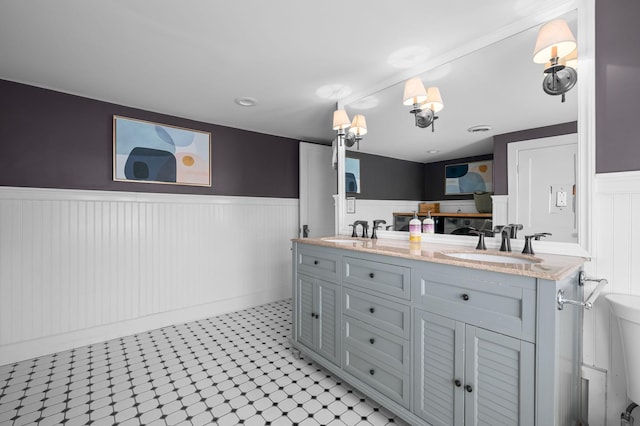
{"x":493,"y":258}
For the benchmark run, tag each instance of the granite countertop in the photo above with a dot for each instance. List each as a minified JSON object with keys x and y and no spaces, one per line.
{"x":548,"y":266}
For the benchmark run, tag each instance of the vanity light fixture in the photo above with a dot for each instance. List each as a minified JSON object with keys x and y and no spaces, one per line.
{"x":425,"y":102}
{"x":554,"y":44}
{"x":358,"y":127}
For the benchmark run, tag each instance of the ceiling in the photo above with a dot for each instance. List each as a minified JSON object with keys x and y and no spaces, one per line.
{"x":193,"y":58}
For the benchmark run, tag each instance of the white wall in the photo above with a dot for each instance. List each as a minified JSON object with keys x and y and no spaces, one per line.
{"x":77,"y":267}
{"x":616,"y":257}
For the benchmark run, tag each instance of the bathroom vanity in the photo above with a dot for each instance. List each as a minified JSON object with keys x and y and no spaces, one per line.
{"x":438,"y":339}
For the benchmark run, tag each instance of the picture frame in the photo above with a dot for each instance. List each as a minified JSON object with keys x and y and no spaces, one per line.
{"x":149,"y":152}
{"x":352,"y":175}
{"x":469,"y":178}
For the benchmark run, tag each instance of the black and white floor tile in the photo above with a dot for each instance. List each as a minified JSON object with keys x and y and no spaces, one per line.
{"x":232,"y":369}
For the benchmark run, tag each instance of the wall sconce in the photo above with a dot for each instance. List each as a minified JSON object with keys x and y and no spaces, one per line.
{"x":358,"y":127}
{"x":555,"y":46}
{"x":425,"y":102}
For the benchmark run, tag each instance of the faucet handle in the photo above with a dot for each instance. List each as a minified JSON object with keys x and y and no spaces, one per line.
{"x":515,"y":227}
{"x":378,"y":222}
{"x":528,"y":248}
{"x":353,"y":232}
{"x":480,"y":234}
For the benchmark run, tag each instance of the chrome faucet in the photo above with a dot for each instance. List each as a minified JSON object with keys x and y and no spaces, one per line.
{"x":376,"y":224}
{"x":365,"y":228}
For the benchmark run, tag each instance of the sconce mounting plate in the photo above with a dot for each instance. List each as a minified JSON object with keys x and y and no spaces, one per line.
{"x":560,"y":82}
{"x":424,"y":118}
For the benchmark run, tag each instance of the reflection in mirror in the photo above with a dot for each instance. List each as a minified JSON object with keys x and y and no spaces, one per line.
{"x":493,"y":100}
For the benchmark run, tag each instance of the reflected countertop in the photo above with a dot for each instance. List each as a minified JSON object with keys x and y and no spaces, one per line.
{"x":545,"y":266}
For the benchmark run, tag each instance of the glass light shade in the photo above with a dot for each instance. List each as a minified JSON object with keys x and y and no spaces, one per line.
{"x":414,"y":92}
{"x":434,"y":100}
{"x":555,"y":39}
{"x":340,"y":119}
{"x":359,"y":125}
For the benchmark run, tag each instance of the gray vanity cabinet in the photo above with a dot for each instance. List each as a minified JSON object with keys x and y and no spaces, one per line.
{"x":441,"y":344}
{"x":465,"y":375}
{"x":317,"y":304}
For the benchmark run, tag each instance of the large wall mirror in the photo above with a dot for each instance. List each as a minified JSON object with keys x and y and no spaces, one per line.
{"x":499,"y":86}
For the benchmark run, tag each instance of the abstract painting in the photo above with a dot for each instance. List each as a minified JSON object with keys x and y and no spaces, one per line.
{"x":158,"y":153}
{"x":467,"y":178}
{"x":352,"y":175}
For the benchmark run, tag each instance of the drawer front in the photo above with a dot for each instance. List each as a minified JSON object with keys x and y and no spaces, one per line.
{"x":389,"y":382}
{"x":502,"y":304}
{"x":318,"y":263}
{"x":377,"y":312}
{"x":390,"y":349}
{"x":385,"y":278}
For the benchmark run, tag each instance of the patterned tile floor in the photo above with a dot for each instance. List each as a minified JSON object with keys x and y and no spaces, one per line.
{"x":232,"y":369}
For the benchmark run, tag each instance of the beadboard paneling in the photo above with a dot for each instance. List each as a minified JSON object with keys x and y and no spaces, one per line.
{"x":616,"y":252}
{"x":76,"y":260}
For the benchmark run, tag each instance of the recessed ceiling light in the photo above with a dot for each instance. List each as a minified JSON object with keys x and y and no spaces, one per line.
{"x":433,"y":151}
{"x":246,"y":102}
{"x":479,"y":128}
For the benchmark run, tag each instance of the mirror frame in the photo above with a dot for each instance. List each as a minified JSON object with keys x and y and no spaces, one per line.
{"x":586,"y":130}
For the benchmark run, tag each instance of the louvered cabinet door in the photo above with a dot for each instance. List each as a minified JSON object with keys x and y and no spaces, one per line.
{"x":499,"y":385}
{"x":306,"y":310}
{"x":439,"y":367}
{"x":318,"y":316}
{"x":328,"y":341}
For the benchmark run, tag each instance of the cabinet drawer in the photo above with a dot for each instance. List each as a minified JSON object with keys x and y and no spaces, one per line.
{"x":390,"y":349}
{"x":377,"y":312}
{"x":389,"y":382}
{"x":318,"y":263}
{"x":506,"y":305}
{"x":386,"y":278}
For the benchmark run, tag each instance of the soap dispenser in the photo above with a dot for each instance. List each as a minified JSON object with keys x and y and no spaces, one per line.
{"x":428,"y":224}
{"x":414,"y":228}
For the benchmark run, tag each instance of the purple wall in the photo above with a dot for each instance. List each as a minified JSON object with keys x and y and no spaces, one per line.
{"x":55,"y":140}
{"x":385,"y":178}
{"x":500,"y":142}
{"x":617,"y":85}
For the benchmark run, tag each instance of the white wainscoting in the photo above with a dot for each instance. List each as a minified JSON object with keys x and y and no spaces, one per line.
{"x":616,"y":255}
{"x":78,"y":267}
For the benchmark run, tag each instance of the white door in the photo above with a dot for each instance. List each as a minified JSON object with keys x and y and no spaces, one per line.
{"x":318,"y":184}
{"x":542,"y":186}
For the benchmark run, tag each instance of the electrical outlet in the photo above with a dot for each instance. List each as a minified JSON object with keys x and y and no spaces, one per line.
{"x":561,"y":199}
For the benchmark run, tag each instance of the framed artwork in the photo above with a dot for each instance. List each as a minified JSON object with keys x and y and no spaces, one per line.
{"x":352,"y":175}
{"x":158,"y":153}
{"x":467,"y":178}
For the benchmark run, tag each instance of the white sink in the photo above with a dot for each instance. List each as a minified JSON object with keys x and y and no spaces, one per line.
{"x":493,"y":258}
